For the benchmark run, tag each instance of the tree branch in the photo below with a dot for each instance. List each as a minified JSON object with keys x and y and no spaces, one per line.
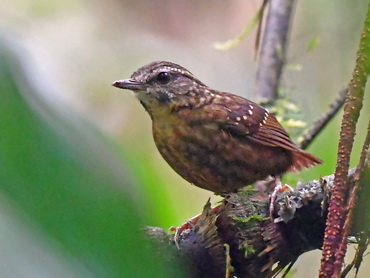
{"x":240,"y":231}
{"x":273,"y":50}
{"x":308,"y":137}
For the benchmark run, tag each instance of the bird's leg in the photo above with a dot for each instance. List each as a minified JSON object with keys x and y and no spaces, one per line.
{"x":188,"y":225}
{"x":279,"y":188}
{"x":192,"y":225}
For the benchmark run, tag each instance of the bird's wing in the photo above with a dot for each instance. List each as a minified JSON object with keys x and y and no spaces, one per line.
{"x":245,"y":119}
{"x":249,"y":120}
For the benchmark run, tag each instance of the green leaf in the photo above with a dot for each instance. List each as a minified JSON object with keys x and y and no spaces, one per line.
{"x":68,"y":180}
{"x":313,"y":44}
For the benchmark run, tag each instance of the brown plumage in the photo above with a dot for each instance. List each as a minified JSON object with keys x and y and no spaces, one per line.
{"x":215,"y":140}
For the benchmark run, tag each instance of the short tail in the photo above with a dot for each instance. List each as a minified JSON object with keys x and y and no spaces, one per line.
{"x":303,"y":159}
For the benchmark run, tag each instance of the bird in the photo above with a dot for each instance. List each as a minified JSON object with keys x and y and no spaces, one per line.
{"x":215,"y":140}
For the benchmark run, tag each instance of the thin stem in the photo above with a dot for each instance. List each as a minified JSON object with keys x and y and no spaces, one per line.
{"x":333,"y":252}
{"x":352,"y":198}
{"x":308,"y":137}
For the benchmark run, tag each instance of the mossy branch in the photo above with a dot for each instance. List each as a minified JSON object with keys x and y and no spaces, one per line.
{"x":256,"y":246}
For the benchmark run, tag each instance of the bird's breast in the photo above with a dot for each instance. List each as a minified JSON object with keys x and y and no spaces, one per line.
{"x":203,"y":154}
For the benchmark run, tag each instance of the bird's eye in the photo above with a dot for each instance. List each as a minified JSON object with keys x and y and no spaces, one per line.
{"x":163,"y":77}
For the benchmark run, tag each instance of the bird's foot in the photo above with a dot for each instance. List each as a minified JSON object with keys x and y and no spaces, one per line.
{"x":184,"y":228}
{"x":279,"y":188}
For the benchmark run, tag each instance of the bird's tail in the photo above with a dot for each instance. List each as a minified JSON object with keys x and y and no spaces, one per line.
{"x":303,"y":159}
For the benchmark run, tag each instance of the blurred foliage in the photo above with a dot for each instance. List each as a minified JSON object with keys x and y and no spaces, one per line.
{"x":66,"y":178}
{"x":229,"y":44}
{"x":313,"y":44}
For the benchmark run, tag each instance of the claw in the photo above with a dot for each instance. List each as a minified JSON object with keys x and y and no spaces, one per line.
{"x":279,"y":188}
{"x":188,"y":225}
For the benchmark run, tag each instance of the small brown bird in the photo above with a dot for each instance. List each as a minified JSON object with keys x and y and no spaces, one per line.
{"x":215,"y":140}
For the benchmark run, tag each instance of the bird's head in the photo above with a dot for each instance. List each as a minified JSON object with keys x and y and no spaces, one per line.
{"x":162,"y":84}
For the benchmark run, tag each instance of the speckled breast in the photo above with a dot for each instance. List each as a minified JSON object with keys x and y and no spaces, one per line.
{"x":213,"y":159}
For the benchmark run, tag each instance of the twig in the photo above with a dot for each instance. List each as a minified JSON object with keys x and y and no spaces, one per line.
{"x":273,"y":50}
{"x":333,"y":252}
{"x":257,"y":19}
{"x":363,"y":243}
{"x":308,"y":137}
{"x":259,"y":28}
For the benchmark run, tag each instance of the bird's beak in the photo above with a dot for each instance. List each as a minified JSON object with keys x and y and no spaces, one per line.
{"x":129,"y":84}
